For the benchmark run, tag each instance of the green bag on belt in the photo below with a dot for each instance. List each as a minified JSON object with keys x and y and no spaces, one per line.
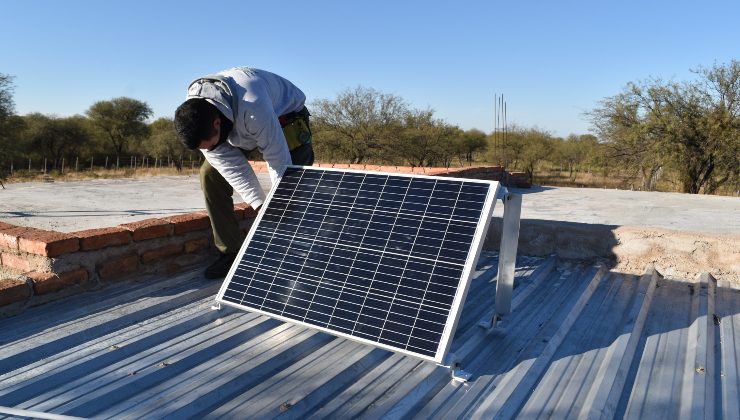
{"x":296,"y":128}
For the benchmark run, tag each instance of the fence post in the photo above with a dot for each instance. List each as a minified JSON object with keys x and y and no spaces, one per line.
{"x":62,"y":171}
{"x":44,"y":166}
{"x":11,"y":168}
{"x":118,"y":160}
{"x":92,"y":160}
{"x":106,"y":162}
{"x":29,"y":166}
{"x":77,"y":164}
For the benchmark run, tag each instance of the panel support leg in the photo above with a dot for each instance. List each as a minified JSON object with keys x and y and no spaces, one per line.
{"x":506,"y":259}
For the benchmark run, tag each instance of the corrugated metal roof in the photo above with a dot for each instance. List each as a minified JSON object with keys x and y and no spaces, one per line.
{"x":580,"y":342}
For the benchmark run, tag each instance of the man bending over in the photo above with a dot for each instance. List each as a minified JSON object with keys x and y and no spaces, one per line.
{"x":226,"y":116}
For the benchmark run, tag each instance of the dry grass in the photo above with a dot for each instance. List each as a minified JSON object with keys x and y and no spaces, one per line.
{"x":97,"y":173}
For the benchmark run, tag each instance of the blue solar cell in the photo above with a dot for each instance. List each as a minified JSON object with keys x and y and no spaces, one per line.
{"x":371,"y":256}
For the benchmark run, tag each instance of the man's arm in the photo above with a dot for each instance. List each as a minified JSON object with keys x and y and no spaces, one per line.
{"x":231,"y":163}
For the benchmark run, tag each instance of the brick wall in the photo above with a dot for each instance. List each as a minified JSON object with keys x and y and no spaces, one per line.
{"x":38,"y":265}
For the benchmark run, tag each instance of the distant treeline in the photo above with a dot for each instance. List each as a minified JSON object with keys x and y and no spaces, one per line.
{"x":676,"y":136}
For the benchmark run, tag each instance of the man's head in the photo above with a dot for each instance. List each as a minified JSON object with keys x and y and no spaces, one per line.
{"x":198,"y":124}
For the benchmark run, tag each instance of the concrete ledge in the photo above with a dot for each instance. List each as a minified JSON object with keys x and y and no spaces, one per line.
{"x":681,"y":255}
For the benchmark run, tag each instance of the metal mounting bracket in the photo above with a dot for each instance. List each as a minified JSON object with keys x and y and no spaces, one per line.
{"x":491,"y":323}
{"x":216,"y":306}
{"x":456,"y":372}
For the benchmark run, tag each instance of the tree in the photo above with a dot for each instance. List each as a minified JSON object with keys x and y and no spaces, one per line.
{"x":163,"y":140}
{"x":57,"y":138}
{"x":471,"y":142}
{"x":7,"y":106}
{"x":723,"y":86}
{"x":538,"y":146}
{"x":416,"y":142}
{"x":357,"y":122}
{"x":121,"y":120}
{"x":574,"y":151}
{"x":690,"y":126}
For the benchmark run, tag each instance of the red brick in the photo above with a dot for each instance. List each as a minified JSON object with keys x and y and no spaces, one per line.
{"x":190,"y":222}
{"x":392,"y":169}
{"x":239,"y":210}
{"x":373,"y":167}
{"x":149,"y":229}
{"x":196,"y":245}
{"x":118,"y":266}
{"x":13,"y":290}
{"x":245,"y":211}
{"x":9,"y":237}
{"x":93,"y":239}
{"x":6,"y":226}
{"x":161,"y":253}
{"x":51,"y":282}
{"x":17,"y":262}
{"x":48,"y":243}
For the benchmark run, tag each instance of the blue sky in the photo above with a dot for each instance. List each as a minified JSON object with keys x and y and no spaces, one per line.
{"x":552,"y":60}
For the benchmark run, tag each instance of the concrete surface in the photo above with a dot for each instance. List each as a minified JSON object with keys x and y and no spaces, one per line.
{"x":78,"y":205}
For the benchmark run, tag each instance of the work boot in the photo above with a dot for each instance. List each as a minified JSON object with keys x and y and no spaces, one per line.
{"x":220,"y":267}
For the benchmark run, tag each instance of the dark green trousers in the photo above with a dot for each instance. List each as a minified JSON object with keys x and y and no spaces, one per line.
{"x":218,"y":194}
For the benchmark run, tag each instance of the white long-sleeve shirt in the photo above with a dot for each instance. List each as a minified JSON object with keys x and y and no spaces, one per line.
{"x":260,"y":98}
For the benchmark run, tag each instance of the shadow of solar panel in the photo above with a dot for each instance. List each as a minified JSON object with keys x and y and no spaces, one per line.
{"x":380,"y":258}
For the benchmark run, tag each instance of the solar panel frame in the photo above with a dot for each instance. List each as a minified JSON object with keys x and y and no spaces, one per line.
{"x":461,"y":290}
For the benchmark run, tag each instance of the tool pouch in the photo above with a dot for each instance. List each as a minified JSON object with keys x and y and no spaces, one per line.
{"x":296,"y":128}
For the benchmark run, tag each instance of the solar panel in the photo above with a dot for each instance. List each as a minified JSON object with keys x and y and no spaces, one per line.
{"x":380,"y":258}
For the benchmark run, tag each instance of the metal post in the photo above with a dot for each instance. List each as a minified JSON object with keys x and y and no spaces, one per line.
{"x":507,"y":254}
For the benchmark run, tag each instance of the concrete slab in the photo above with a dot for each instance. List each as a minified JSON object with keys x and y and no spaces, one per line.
{"x":78,"y":205}
{"x":674,"y":211}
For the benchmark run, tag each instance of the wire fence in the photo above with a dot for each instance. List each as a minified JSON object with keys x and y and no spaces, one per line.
{"x":61,"y":166}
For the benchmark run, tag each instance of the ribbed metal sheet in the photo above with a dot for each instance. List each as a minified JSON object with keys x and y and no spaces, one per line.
{"x":580,"y":342}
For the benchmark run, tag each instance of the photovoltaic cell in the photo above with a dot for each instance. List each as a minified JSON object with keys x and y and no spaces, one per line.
{"x":380,"y":258}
